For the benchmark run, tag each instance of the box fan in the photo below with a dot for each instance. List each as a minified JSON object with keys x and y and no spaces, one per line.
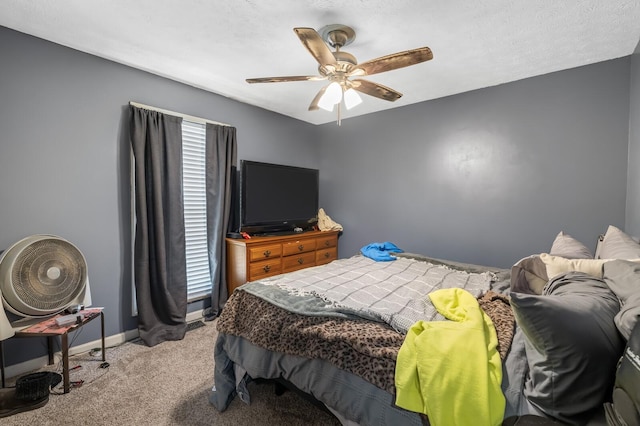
{"x":40,"y":276}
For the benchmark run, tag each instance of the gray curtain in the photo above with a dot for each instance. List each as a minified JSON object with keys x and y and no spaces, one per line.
{"x":221,"y":164}
{"x":159,"y":255}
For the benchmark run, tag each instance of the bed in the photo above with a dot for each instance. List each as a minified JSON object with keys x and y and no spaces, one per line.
{"x":341,"y":334}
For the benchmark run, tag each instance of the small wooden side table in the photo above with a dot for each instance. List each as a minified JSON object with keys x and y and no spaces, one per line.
{"x":50,"y":329}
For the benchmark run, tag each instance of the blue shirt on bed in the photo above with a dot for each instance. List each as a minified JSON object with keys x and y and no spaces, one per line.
{"x":380,"y":252}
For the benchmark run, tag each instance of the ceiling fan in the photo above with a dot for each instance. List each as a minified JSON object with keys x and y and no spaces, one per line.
{"x":342,"y":70}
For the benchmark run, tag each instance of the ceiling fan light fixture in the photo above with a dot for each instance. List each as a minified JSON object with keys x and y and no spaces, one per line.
{"x":351,"y":98}
{"x":325,"y":105}
{"x":332,"y":96}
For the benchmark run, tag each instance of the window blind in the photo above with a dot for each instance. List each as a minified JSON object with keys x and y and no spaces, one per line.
{"x":195,"y":209}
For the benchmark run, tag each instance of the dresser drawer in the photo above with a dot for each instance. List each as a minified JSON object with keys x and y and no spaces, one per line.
{"x":326,"y":255}
{"x":265,"y":268}
{"x":326,"y":242}
{"x":265,"y":252}
{"x":303,"y":260}
{"x":300,"y":246}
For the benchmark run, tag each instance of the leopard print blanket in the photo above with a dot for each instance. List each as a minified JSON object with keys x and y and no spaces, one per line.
{"x":364,"y":348}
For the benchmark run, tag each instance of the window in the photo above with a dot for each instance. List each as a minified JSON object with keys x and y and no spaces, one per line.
{"x":199,"y":281}
{"x":195,"y":210}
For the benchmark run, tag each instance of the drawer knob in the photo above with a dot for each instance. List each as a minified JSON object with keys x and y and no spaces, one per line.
{"x":326,"y":254}
{"x":267,"y":268}
{"x":326,"y":243}
{"x":301,"y":247}
{"x":300,"y":260}
{"x":267,"y":253}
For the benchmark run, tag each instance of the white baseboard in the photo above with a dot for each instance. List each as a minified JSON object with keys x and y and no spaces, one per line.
{"x":109,"y":341}
{"x":195,"y":316}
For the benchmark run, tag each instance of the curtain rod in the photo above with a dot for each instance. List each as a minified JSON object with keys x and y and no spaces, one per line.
{"x":178,"y":114}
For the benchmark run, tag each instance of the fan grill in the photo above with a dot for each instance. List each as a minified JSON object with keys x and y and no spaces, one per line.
{"x":48,"y":274}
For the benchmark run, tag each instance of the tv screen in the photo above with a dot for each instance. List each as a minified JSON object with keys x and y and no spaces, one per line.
{"x":277,"y":198}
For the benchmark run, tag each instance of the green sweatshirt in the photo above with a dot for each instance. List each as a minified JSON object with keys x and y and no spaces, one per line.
{"x":451,"y":370}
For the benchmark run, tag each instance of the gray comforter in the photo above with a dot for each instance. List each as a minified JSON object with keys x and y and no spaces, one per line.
{"x":396,"y":292}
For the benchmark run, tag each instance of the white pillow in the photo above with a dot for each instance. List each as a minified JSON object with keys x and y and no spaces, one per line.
{"x":557,"y":265}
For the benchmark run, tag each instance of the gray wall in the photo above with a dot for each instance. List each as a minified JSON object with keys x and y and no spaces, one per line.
{"x":488,"y":176}
{"x":632,"y":223}
{"x":64,"y":158}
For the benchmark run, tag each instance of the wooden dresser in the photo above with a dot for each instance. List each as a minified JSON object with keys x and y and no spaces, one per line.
{"x":260,"y":257}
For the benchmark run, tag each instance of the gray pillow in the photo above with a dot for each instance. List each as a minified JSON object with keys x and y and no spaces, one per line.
{"x":617,"y":245}
{"x":572,"y":345}
{"x":568,"y":247}
{"x":623,"y":277}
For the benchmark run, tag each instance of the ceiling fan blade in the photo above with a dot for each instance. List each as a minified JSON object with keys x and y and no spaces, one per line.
{"x":375,"y":89}
{"x":395,"y":61}
{"x":314,"y":103}
{"x":289,"y":78}
{"x":316,"y":46}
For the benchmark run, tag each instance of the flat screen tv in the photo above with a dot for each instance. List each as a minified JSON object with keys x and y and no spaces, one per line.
{"x":276,"y":198}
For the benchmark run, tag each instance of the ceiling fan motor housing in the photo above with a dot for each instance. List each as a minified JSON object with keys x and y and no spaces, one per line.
{"x":342,"y":56}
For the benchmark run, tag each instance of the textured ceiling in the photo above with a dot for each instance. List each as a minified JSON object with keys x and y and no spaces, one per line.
{"x":215,"y":45}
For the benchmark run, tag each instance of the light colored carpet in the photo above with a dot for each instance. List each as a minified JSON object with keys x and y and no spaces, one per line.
{"x":164,"y":385}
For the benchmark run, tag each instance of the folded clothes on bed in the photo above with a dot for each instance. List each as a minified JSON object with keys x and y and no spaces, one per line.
{"x":380,"y":252}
